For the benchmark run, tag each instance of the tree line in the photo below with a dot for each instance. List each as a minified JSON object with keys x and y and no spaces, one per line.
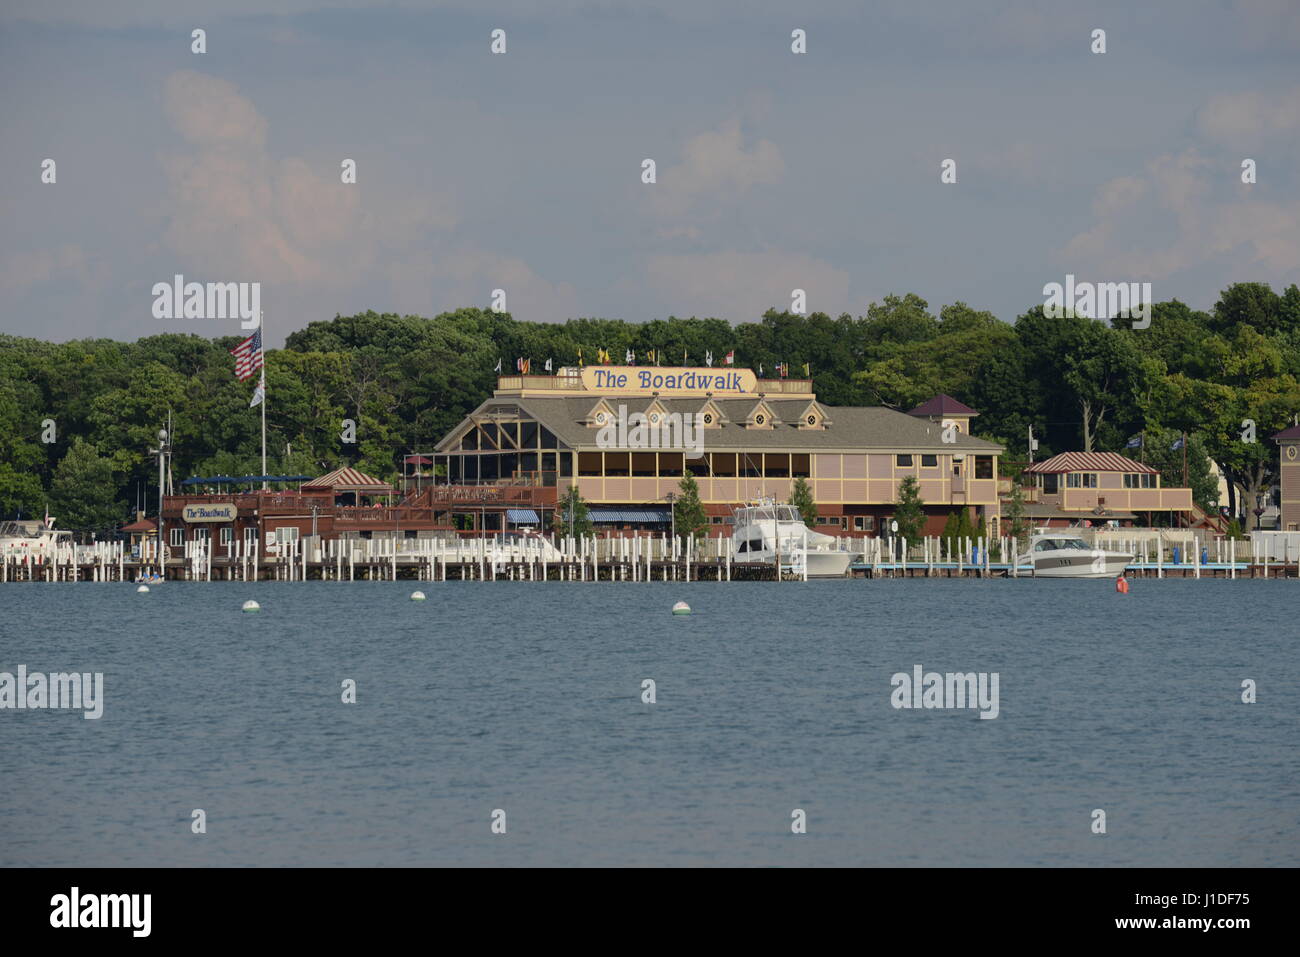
{"x":77,"y":418}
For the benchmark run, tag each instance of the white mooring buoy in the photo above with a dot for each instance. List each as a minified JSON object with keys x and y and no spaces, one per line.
{"x":417,"y":596}
{"x":142,"y":590}
{"x":681,"y":608}
{"x":251,"y":605}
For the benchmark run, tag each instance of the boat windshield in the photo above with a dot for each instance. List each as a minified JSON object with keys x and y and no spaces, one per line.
{"x":1054,"y":544}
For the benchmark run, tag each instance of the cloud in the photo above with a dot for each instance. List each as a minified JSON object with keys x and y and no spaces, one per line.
{"x":741,"y":286}
{"x":1246,"y":119}
{"x":1204,"y":212}
{"x":715,"y":168}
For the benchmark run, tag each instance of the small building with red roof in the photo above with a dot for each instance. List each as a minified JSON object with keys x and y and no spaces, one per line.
{"x":1098,"y":487}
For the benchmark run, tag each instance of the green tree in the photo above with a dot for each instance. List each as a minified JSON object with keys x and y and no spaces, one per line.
{"x":801,"y":497}
{"x":688,"y":510}
{"x":909,"y":511}
{"x":572,"y":513}
{"x":1015,"y":514}
{"x":83,"y":495}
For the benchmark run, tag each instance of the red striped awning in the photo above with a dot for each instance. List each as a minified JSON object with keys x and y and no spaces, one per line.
{"x":348,"y":480}
{"x":1088,"y":462}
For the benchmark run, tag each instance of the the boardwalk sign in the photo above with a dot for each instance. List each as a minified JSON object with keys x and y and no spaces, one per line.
{"x":668,"y":382}
{"x":209,"y":513}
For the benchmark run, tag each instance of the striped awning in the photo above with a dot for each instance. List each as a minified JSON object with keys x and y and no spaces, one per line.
{"x":639,"y":516}
{"x":522,"y":516}
{"x":349,"y":480}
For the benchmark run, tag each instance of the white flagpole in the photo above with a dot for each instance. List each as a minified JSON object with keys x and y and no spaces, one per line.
{"x":261,"y":322}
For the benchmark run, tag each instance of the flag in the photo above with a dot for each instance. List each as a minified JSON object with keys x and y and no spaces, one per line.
{"x":1178,"y":444}
{"x":259,"y":393}
{"x":1134,"y":443}
{"x":730,"y":358}
{"x":548,"y":365}
{"x":248,"y":356}
{"x":498,"y":368}
{"x":523,"y":365}
{"x":580,"y":357}
{"x":806,"y":373}
{"x":630,"y":357}
{"x":652,"y":356}
{"x":783,"y":369}
{"x":708,"y":358}
{"x":760,"y":368}
{"x":602,"y":356}
{"x":685,"y":361}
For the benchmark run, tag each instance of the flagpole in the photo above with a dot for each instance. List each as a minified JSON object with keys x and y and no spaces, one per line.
{"x":261,"y":321}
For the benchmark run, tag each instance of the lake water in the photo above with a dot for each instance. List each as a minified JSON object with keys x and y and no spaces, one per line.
{"x":770,"y":697}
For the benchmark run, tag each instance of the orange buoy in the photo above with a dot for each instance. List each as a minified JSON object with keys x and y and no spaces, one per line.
{"x":1121,"y":585}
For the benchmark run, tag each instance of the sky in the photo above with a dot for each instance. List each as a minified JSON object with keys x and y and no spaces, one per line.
{"x":522,"y":171}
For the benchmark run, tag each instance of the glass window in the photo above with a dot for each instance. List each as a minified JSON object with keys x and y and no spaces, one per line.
{"x":1089,"y":479}
{"x":589,"y":463}
{"x":470,"y":440}
{"x":177,"y":536}
{"x":509,"y":464}
{"x":489,"y":468}
{"x":984,"y":467}
{"x":285,"y":535}
{"x":751,"y":464}
{"x":670,"y":464}
{"x":1072,"y":480}
{"x":643,"y":464}
{"x":489,"y":435}
{"x":931,"y":461}
{"x":903,"y":461}
{"x":800,"y":465}
{"x":566,"y":465}
{"x":528,"y":435}
{"x":227,"y":535}
{"x":724,"y":464}
{"x":547,"y":440}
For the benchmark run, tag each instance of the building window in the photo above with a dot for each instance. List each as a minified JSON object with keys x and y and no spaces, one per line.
{"x":177,"y":536}
{"x":864,"y":523}
{"x":227,"y":535}
{"x":723,"y":463}
{"x":984,"y":467}
{"x":903,"y":461}
{"x":286,"y":535}
{"x":1148,"y":480}
{"x":800,"y":465}
{"x":929,"y":461}
{"x":589,"y":463}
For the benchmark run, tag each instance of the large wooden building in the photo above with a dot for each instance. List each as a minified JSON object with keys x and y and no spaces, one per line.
{"x":510,"y":460}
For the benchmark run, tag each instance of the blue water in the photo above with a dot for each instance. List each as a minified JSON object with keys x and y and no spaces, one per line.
{"x":770,"y":697}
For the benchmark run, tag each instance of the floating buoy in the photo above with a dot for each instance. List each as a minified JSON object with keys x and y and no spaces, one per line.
{"x":681,"y":608}
{"x":1121,"y":585}
{"x":417,"y":596}
{"x":251,"y":605}
{"x":142,"y":590}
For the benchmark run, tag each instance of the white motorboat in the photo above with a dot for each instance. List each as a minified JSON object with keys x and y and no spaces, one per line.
{"x":768,"y":532}
{"x":1061,"y":555}
{"x":33,"y":538}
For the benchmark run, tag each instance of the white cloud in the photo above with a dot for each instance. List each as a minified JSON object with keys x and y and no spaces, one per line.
{"x":716,"y":168}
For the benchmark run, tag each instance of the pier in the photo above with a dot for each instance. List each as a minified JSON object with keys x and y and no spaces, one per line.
{"x":625,"y":559}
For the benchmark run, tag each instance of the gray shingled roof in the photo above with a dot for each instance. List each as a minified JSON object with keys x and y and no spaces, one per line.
{"x":851,"y":429}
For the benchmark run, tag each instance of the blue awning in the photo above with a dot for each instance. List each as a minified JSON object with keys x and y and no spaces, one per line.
{"x":639,"y":516}
{"x":522,"y":516}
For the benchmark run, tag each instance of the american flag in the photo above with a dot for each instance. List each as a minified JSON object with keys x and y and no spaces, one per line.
{"x":248,"y":356}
